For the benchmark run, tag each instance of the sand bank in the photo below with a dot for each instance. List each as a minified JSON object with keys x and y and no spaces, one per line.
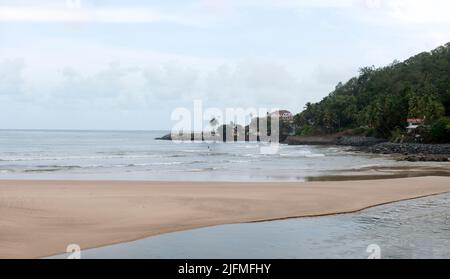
{"x":40,"y":218}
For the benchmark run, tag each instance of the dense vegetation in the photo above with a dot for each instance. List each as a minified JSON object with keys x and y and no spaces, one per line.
{"x":379,"y":101}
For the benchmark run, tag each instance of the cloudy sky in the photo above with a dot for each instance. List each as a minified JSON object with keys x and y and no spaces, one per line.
{"x":110,"y":64}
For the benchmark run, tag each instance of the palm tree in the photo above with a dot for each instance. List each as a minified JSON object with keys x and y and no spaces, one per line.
{"x":213,"y":123}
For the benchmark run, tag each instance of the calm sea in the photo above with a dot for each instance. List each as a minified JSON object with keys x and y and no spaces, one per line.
{"x":135,"y":155}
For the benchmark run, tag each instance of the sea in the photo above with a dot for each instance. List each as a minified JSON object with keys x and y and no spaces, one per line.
{"x":409,"y":229}
{"x":136,"y":155}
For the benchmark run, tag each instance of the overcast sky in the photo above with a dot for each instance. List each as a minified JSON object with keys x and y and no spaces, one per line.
{"x":110,"y":64}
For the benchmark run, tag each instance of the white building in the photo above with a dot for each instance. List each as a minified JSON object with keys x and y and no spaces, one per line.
{"x":414,"y":123}
{"x":284,"y":115}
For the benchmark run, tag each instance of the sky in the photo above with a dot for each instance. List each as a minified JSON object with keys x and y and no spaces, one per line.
{"x":126,"y":65}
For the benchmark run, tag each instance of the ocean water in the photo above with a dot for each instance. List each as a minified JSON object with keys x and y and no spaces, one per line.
{"x":410,"y":229}
{"x":135,"y":155}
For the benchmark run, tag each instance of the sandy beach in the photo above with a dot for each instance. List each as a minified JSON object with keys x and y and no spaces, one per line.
{"x":40,"y":218}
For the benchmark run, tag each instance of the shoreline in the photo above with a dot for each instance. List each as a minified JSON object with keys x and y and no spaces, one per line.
{"x":296,"y":237}
{"x":380,"y":172}
{"x":40,"y":218}
{"x":412,"y":152}
{"x":361,"y":174}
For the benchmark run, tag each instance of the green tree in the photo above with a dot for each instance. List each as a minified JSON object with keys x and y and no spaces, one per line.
{"x":383,"y":98}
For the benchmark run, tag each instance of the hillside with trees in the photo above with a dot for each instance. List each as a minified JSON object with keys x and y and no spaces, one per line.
{"x":380,"y":100}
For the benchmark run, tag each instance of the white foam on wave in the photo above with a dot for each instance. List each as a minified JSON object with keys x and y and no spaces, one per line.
{"x":315,"y":156}
{"x":237,"y":161}
{"x":160,"y":164}
{"x":205,"y":169}
{"x":90,"y":157}
{"x":302,"y":154}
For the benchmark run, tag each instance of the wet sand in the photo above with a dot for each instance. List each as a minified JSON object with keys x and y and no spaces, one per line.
{"x":412,"y":229}
{"x":40,"y":218}
{"x":380,"y":172}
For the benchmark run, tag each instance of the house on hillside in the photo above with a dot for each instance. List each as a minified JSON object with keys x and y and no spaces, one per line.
{"x":414,"y":123}
{"x":284,"y":115}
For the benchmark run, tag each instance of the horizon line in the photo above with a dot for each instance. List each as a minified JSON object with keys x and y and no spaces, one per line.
{"x":82,"y":130}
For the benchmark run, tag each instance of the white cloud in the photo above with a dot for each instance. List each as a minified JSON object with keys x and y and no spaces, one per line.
{"x":171,"y":81}
{"x":408,"y":11}
{"x":91,"y":14}
{"x":248,"y":83}
{"x":11,"y":79}
{"x":418,"y":11}
{"x":279,"y":4}
{"x":204,"y":12}
{"x":196,"y":13}
{"x":166,"y":85}
{"x":402,"y":11}
{"x":162,"y":67}
{"x":103,"y":84}
{"x":252,"y":83}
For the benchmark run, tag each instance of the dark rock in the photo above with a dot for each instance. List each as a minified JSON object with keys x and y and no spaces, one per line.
{"x":311,"y":140}
{"x":425,"y":158}
{"x":165,"y":137}
{"x":410,"y":148}
{"x":358,"y":141}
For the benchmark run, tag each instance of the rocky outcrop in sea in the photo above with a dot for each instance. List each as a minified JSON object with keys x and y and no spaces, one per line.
{"x":358,"y":141}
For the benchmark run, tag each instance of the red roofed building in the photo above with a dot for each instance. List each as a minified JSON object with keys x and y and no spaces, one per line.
{"x":284,"y":115}
{"x":413,"y":123}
